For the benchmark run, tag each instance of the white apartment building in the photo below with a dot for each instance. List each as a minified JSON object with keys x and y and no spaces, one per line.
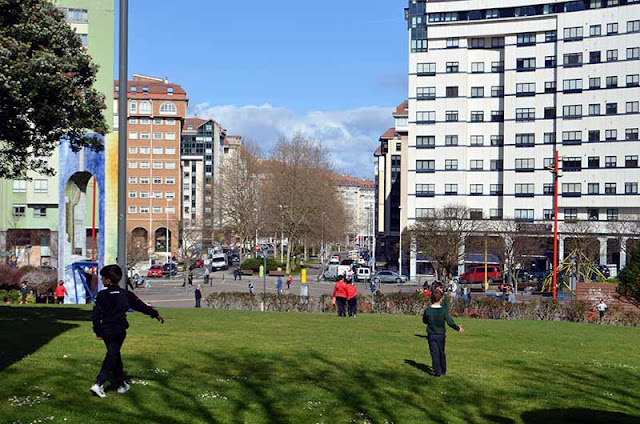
{"x":359,"y":204}
{"x":495,"y":87}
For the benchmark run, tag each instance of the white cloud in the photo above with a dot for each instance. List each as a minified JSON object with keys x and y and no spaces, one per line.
{"x":350,"y":136}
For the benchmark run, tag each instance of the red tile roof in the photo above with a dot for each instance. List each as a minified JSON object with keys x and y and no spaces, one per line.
{"x":388,"y":134}
{"x":349,"y":181}
{"x":196,"y":122}
{"x":378,"y":151}
{"x":157,"y":88}
{"x":403,"y":108}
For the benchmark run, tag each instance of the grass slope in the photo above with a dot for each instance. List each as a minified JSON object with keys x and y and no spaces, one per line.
{"x":205,"y":366}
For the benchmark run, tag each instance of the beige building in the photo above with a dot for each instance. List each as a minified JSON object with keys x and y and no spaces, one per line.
{"x":358,"y":196}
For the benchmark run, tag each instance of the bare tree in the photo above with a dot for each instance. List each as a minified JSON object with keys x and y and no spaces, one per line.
{"x":136,"y":252}
{"x":443,"y":236}
{"x":581,"y":239}
{"x":624,"y":232}
{"x":190,"y":239}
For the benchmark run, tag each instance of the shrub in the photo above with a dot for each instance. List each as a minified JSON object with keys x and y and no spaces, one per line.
{"x":629,"y":278}
{"x":254,"y":264}
{"x":11,"y":295}
{"x":9,"y":277}
{"x":40,"y":280}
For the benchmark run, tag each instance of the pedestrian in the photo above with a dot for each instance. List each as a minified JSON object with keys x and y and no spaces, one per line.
{"x":340,"y":295}
{"x":110,"y":325}
{"x":435,"y":317}
{"x":289,"y":281}
{"x":206,"y":275}
{"x":198,"y":294}
{"x":24,"y":292}
{"x":279,"y":285}
{"x":60,"y":292}
{"x":250,"y":288}
{"x":352,"y":300}
{"x":600,"y":306}
{"x":512,"y":296}
{"x":190,"y":278}
{"x":236,"y":273}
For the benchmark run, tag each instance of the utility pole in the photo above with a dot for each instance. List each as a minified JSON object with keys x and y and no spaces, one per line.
{"x":123,"y":77}
{"x":400,"y":244}
{"x":555,"y":225}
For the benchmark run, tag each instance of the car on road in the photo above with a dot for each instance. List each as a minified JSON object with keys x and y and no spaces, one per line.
{"x":170,"y":269}
{"x":363,"y":274}
{"x":475,"y":274}
{"x":181,"y":267}
{"x":133,"y":273}
{"x":219,"y":262}
{"x":389,"y":277}
{"x":199,"y":263}
{"x":155,"y":271}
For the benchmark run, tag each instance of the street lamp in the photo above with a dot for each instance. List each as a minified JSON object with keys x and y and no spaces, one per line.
{"x":555,"y":222}
{"x":400,"y":242}
{"x":322,"y":248}
{"x":122,"y":138}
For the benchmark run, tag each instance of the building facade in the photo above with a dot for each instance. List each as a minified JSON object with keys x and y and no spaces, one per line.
{"x":29,"y":212}
{"x":358,"y":196}
{"x":157,"y":109}
{"x":497,"y":87}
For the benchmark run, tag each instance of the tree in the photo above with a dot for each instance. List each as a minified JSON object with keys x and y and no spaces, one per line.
{"x":624,"y":231}
{"x":190,"y":239}
{"x":629,"y":277}
{"x":46,"y":88}
{"x":443,"y":236}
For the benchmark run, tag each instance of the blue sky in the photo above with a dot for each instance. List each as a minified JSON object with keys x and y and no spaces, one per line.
{"x":331,"y":69}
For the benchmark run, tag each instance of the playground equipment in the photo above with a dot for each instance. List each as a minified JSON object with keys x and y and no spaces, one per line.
{"x":577,"y":267}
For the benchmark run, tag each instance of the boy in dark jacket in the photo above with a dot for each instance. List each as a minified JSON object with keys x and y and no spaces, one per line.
{"x":110,"y":325}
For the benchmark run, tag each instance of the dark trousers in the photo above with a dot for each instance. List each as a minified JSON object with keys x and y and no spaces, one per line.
{"x":353,"y":306}
{"x":341,"y":302}
{"x":198,"y":302}
{"x":60,"y":300}
{"x":438,"y":357}
{"x":112,"y":361}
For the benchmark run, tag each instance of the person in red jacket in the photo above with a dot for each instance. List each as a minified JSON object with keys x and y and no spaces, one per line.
{"x":61,"y":292}
{"x":352,"y":300}
{"x":340,"y":294}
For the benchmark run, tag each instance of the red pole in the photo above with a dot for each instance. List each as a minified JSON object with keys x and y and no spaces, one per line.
{"x":555,"y":225}
{"x":93,"y":227}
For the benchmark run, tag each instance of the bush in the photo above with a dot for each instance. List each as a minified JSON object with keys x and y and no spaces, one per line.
{"x":41,"y":280}
{"x":629,"y":277}
{"x":12,"y":295}
{"x":254,"y":264}
{"x":9,"y":277}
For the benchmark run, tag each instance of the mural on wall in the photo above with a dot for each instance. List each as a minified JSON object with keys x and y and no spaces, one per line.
{"x":86,"y":194}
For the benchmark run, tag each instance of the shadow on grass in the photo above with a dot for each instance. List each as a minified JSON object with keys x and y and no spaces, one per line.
{"x":577,"y":416}
{"x":422,"y":367}
{"x":25,"y":329}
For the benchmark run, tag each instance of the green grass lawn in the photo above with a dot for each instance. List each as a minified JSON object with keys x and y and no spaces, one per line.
{"x":205,"y":366}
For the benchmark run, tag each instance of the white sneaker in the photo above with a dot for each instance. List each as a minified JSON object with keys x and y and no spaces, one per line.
{"x":98,"y":390}
{"x":123,"y":389}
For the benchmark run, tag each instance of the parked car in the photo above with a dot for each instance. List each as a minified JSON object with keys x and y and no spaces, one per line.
{"x":219,"y":261}
{"x":133,"y":273}
{"x":181,"y":267}
{"x":199,"y":263}
{"x":475,"y":274}
{"x":363,"y":274}
{"x":389,"y":277}
{"x":155,"y":271}
{"x":170,"y":269}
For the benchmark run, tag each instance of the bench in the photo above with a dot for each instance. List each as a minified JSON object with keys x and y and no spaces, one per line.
{"x":246,"y":272}
{"x":276,"y":273}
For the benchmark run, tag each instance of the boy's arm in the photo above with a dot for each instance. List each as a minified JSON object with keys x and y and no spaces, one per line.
{"x":138,"y":305}
{"x":451,"y":323}
{"x":425,"y":317}
{"x":97,"y":316}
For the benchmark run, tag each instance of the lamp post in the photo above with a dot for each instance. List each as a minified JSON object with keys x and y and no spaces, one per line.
{"x":400,"y":244}
{"x":555,"y":173}
{"x":322,"y":248}
{"x":122,"y":138}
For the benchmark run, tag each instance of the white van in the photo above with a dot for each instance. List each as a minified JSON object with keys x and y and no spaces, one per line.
{"x":218,"y":261}
{"x":363,"y":274}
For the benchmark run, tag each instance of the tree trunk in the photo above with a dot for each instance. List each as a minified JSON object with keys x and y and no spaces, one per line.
{"x":289,"y":244}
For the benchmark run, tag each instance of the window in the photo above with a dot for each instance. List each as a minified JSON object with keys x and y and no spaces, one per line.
{"x":426,"y":117}
{"x":132,"y":194}
{"x":526,"y":89}
{"x":157,"y":195}
{"x":19,"y":186}
{"x":169,"y":180}
{"x":525,"y":114}
{"x":475,"y":189}
{"x":450,"y":140}
{"x":496,"y":165}
{"x":145,"y":136}
{"x":526,"y":39}
{"x":477,"y":91}
{"x":169,"y":136}
{"x":549,"y":61}
{"x":168,"y":108}
{"x":133,"y":164}
{"x":572,"y":59}
{"x":572,"y":85}
{"x":451,"y":116}
{"x":611,"y":135}
{"x":170,"y":151}
{"x":475,"y":213}
{"x":571,"y":137}
{"x":610,"y":161}
{"x":593,"y":188}
{"x":631,"y":188}
{"x":548,"y":189}
{"x":633,"y":80}
{"x":612,"y":28}
{"x":631,"y":134}
{"x":451,"y":91}
{"x":633,"y":53}
{"x":497,"y":91}
{"x":157,"y":150}
{"x":571,"y":164}
{"x":523,"y":214}
{"x":548,"y":163}
{"x":157,"y":136}
{"x":525,"y":140}
{"x":595,"y":30}
{"x":612,"y":81}
{"x":170,"y":195}
{"x":452,"y":67}
{"x":133,"y":136}
{"x":157,"y":209}
{"x":611,"y":108}
{"x":633,"y":26}
{"x":144,"y":180}
{"x":425,"y":212}
{"x":496,"y":42}
{"x":426,"y":93}
{"x":594,"y":135}
{"x":526,"y":165}
{"x":612,"y":214}
{"x":495,"y":189}
{"x":572,"y":112}
{"x":144,"y":209}
{"x":40,"y":186}
{"x":426,"y":69}
{"x":425,"y":166}
{"x":547,"y":214}
{"x":550,"y":36}
{"x":573,"y":34}
{"x":594,"y":83}
{"x":133,"y":180}
{"x":476,"y":43}
{"x":524,"y":190}
{"x":631,"y":161}
{"x":497,"y":140}
{"x":426,"y":142}
{"x":477,"y":67}
{"x":425,"y":190}
{"x":145,"y":107}
{"x":145,"y":150}
{"x":19,"y":211}
{"x":144,"y":121}
{"x":477,"y":116}
{"x":453,"y":42}
{"x":451,"y":189}
{"x":594,"y":110}
{"x":144,"y":194}
{"x":169,"y":165}
{"x":76,"y":15}
{"x":133,"y":106}
{"x":593,"y":162}
{"x":610,"y":188}
{"x":612,"y":55}
{"x":451,"y":164}
{"x":476,"y":165}
{"x":526,"y":64}
{"x":497,"y":66}
{"x":549,"y":138}
{"x":550,"y":87}
{"x":594,"y":57}
{"x":133,"y":209}
{"x":497,"y":116}
{"x":157,"y":121}
{"x":570,"y":214}
{"x":476,"y":140}
{"x":144,"y":165}
{"x":495,"y":213}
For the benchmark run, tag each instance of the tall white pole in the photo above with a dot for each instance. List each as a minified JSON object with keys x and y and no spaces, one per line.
{"x":122,"y":139}
{"x":400,"y":244}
